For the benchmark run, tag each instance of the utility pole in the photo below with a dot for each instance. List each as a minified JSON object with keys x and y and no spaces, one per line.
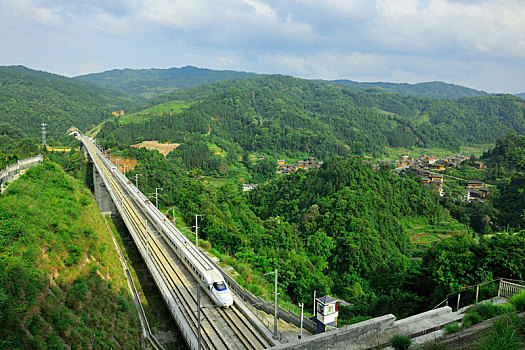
{"x":301,"y":329}
{"x":124,"y":168}
{"x":44,"y":134}
{"x":275,"y":306}
{"x":157,"y":196}
{"x":137,"y":180}
{"x":314,"y":302}
{"x":197,"y":229}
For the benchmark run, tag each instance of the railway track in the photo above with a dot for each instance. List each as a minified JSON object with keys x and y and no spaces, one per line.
{"x":226,"y":329}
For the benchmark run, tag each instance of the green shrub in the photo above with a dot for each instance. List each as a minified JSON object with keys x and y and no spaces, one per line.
{"x":518,"y":300}
{"x":400,"y":342}
{"x":504,"y":335}
{"x":471,"y":318}
{"x":487,"y":310}
{"x":451,"y":328}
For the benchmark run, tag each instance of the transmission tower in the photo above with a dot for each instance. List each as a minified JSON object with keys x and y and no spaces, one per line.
{"x":44,"y":134}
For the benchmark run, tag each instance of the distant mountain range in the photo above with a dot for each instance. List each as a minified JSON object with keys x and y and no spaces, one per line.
{"x":522,"y":95}
{"x":435,"y":89}
{"x":153,"y":82}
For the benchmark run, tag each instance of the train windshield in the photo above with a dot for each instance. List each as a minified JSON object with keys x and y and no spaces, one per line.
{"x":220,"y":286}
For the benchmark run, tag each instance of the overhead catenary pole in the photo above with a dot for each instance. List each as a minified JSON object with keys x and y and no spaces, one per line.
{"x":314,"y":302}
{"x":157,"y":196}
{"x":301,"y":329}
{"x":197,"y":229}
{"x":137,"y":180}
{"x":275,"y":305}
{"x":275,"y":309}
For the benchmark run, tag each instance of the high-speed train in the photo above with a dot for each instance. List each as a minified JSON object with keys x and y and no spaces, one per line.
{"x":208,"y":276}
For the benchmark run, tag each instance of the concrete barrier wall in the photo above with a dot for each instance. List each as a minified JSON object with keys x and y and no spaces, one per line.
{"x":336,"y":339}
{"x":14,"y":169}
{"x":425,"y":315}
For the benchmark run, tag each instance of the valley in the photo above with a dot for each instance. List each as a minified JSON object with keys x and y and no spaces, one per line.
{"x":349,"y":227}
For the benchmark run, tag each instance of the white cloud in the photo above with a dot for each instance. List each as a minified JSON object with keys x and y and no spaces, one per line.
{"x":452,"y":40}
{"x":494,"y":28}
{"x":110,"y":24}
{"x":261,"y":8}
{"x":43,"y":15}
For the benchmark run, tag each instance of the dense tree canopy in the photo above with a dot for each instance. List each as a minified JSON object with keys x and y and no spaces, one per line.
{"x":285,"y":116}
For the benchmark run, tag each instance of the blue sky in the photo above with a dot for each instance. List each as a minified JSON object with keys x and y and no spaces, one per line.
{"x":475,"y":43}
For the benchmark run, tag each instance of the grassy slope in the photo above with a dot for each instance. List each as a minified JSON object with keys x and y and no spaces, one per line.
{"x":62,"y":285}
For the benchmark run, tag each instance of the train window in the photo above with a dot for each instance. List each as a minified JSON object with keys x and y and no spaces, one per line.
{"x":220,"y":286}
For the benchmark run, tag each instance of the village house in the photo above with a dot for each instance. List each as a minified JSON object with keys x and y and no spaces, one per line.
{"x":479,"y":165}
{"x":474,"y":184}
{"x":248,"y":187}
{"x":311,"y":163}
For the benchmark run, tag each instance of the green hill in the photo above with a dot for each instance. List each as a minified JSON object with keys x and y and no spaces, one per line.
{"x":61,"y":283}
{"x":288,"y":117}
{"x":434,"y":89}
{"x":29,"y":98}
{"x":153,"y":82}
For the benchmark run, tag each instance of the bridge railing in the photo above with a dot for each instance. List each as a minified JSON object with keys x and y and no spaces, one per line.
{"x":507,"y":288}
{"x":502,"y":287}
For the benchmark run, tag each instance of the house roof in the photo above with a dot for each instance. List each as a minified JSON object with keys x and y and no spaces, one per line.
{"x":326,"y":299}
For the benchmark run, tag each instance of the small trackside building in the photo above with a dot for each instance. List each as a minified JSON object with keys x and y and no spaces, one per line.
{"x":326,"y":313}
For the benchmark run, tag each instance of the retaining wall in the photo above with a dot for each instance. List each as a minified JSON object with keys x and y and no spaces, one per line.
{"x":336,"y":339}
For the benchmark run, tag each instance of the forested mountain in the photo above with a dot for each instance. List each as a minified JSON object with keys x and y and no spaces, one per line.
{"x":506,"y":162}
{"x":28,"y":98}
{"x":434,"y":89}
{"x":285,"y":116}
{"x":61,"y":284}
{"x":153,"y":82}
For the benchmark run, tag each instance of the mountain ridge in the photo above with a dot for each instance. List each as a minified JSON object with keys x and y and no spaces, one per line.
{"x":433,"y":89}
{"x":151,"y":82}
{"x":166,"y":80}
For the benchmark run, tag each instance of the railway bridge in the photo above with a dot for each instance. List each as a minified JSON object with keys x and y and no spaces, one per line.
{"x":229,"y":329}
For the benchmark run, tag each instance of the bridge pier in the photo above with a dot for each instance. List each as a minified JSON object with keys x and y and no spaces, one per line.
{"x":102,"y":196}
{"x":98,"y":187}
{"x":95,"y":183}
